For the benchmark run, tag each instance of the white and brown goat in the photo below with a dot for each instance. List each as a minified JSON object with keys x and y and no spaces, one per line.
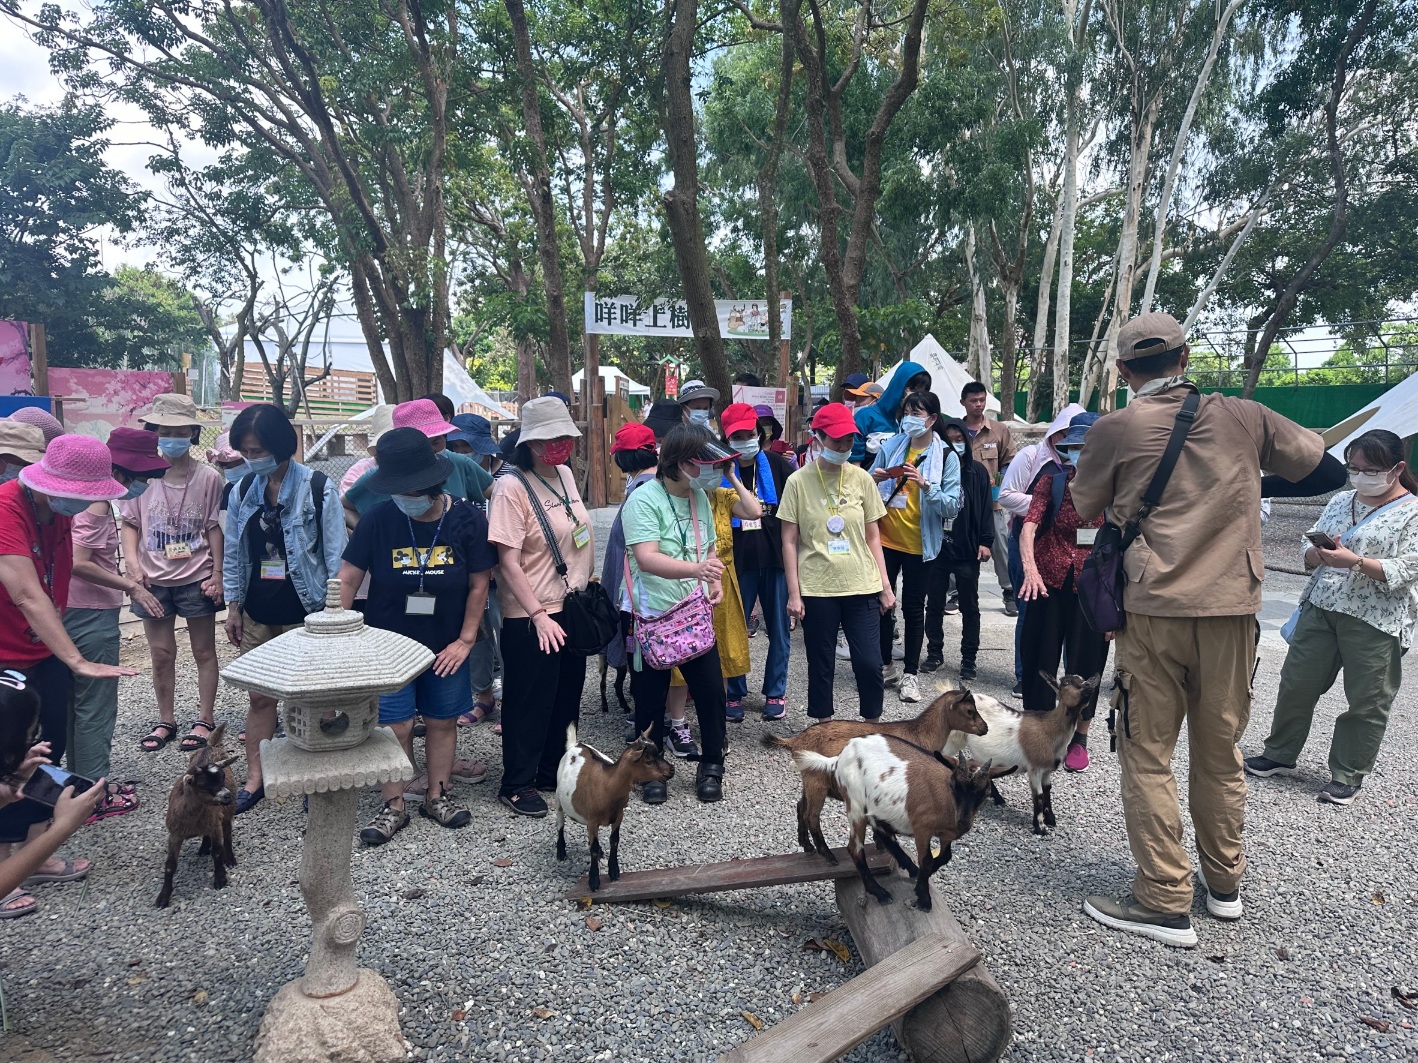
{"x":201,"y":804}
{"x":1032,"y":742}
{"x":593,"y":790}
{"x":899,"y":787}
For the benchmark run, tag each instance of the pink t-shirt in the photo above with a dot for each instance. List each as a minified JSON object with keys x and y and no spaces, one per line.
{"x":172,"y":521}
{"x":356,"y":470}
{"x":98,"y":533}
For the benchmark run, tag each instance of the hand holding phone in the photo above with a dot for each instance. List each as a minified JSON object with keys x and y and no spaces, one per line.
{"x":1321,"y":539}
{"x":49,"y":781}
{"x":895,"y":472}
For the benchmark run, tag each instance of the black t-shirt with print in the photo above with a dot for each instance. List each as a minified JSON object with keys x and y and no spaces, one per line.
{"x":383,"y":545}
{"x":270,"y":601}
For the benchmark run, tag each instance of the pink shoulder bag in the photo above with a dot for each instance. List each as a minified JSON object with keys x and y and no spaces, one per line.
{"x":681,"y":633}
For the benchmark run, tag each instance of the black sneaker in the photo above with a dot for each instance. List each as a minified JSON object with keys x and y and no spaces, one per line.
{"x":1264,"y":768}
{"x":952,"y":605}
{"x":1338,"y":793}
{"x":525,"y":802}
{"x":1017,"y":690}
{"x":1134,"y":917}
{"x":1226,"y":906}
{"x":967,"y":670}
{"x":1011,"y":607}
{"x":654,"y":793}
{"x":932,"y":662}
{"x":709,"y":782}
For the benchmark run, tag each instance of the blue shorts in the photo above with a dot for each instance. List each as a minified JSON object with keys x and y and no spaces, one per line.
{"x":430,"y":695}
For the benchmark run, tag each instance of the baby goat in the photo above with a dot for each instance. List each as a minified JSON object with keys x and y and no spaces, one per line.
{"x":201,"y":805}
{"x":953,"y":711}
{"x":593,"y":790}
{"x":900,"y":788}
{"x":1034,"y":742}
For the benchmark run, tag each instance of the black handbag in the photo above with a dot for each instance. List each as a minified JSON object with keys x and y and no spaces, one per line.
{"x":588,"y":616}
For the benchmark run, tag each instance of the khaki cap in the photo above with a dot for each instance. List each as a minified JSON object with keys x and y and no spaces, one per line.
{"x":1149,"y":334}
{"x":20,"y":440}
{"x":172,"y":410}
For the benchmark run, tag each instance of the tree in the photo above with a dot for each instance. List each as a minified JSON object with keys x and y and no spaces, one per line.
{"x":146,"y":321}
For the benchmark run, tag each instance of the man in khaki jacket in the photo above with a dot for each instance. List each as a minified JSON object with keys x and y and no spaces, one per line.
{"x":1189,"y":647}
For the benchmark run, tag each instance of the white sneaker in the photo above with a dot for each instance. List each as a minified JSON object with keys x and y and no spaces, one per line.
{"x":843,"y":651}
{"x":1220,"y":907}
{"x":909,"y":690}
{"x":890,"y":675}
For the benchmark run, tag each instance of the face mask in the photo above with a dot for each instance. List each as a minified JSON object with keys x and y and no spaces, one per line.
{"x":1371,"y":484}
{"x":747,"y":448}
{"x":261,"y":466}
{"x":707,"y":478}
{"x":1069,"y":457}
{"x":69,"y":507}
{"x":851,"y":405}
{"x":136,"y":488}
{"x":174,"y":448}
{"x":959,"y":448}
{"x":835,"y":457}
{"x":699,"y":417}
{"x":234,"y":476}
{"x":8,"y":473}
{"x":558,"y":453}
{"x":413,"y":505}
{"x":913,"y":425}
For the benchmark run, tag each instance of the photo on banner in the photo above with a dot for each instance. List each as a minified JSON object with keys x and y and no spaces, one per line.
{"x":774,"y":397}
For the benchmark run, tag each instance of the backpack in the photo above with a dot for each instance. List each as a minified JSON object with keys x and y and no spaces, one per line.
{"x":318,"y":480}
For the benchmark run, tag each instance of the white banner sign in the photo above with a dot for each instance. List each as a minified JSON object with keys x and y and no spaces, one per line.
{"x":777,"y":398}
{"x":629,"y":315}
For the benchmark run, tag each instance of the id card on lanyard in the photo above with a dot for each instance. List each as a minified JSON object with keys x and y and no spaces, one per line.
{"x":420,"y":602}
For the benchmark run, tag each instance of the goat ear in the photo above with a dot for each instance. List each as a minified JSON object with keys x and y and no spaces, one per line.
{"x":636,"y":751}
{"x":1052,"y":680}
{"x":1091,"y":685}
{"x":950,"y":762}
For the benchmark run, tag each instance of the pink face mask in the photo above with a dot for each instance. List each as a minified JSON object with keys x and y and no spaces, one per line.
{"x":558,"y":452}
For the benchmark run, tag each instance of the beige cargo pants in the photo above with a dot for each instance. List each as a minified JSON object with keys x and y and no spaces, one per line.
{"x":1172,"y":670}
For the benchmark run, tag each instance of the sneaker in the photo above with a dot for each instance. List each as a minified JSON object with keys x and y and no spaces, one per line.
{"x":1338,"y":793}
{"x":952,"y":605}
{"x":1077,"y":758}
{"x":932,"y":662}
{"x":1134,"y":917}
{"x":1017,"y":690}
{"x":680,"y":740}
{"x":775,"y":709}
{"x":389,"y":822}
{"x":446,"y":812}
{"x":967,"y":670}
{"x":898,"y":651}
{"x":465,"y":770}
{"x":910,"y":691}
{"x":752,"y":625}
{"x":525,"y":802}
{"x":890,"y":675}
{"x":843,"y":651}
{"x":733,"y":711}
{"x":1221,"y":905}
{"x":1264,"y":768}
{"x":1011,"y":607}
{"x":709,"y":782}
{"x":631,"y":734}
{"x":416,"y":789}
{"x":654,"y":793}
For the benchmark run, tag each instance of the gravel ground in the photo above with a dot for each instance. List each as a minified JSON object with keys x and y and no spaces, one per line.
{"x":489,"y":964}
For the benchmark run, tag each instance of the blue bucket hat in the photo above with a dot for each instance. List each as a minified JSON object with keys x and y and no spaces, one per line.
{"x":1077,"y":429}
{"x":475,"y":431}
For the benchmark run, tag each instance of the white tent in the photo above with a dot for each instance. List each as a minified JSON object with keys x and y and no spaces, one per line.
{"x":947,"y":377}
{"x":1396,"y":409}
{"x":461,"y":388}
{"x":610,"y":380}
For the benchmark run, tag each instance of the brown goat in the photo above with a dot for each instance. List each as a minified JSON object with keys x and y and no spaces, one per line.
{"x":901,"y":788}
{"x":201,"y":805}
{"x":593,"y":790}
{"x":952,"y":711}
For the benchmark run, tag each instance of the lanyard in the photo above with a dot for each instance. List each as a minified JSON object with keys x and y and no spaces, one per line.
{"x":564,"y":499}
{"x":175,"y":519}
{"x":834,"y":506}
{"x":679,"y":522}
{"x":46,"y":556}
{"x":424,"y":559}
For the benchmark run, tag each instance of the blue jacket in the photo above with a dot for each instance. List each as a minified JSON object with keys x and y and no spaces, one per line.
{"x":884,"y":415}
{"x":308,"y":570}
{"x":940,"y":499}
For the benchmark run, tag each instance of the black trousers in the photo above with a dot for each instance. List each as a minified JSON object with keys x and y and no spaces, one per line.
{"x":1052,"y":626}
{"x":915,"y":578}
{"x":54,"y":683}
{"x":859,"y":617}
{"x":967,"y":589}
{"x":649,"y":688}
{"x":541,"y":695}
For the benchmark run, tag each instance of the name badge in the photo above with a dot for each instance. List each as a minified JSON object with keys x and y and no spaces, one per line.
{"x":1087,"y":536}
{"x":950,"y":524}
{"x":581,"y":536}
{"x":178,"y":551}
{"x":839,"y":546}
{"x":273,"y":568}
{"x":900,"y":501}
{"x":750,"y":525}
{"x":419,"y":604}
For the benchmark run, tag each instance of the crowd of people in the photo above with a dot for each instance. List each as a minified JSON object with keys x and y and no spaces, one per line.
{"x":866,"y":537}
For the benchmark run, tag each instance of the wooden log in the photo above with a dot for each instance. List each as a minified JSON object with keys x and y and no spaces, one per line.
{"x":847,"y":1016}
{"x":727,"y":875}
{"x":968,"y":1021}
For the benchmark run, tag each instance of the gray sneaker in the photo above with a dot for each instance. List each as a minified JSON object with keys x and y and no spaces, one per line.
{"x":1338,"y":793}
{"x":680,"y":739}
{"x":389,"y":822}
{"x":1134,"y":917}
{"x":890,"y":675}
{"x":1264,"y":767}
{"x":445,"y":811}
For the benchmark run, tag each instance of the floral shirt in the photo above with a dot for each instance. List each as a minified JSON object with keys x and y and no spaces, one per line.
{"x":1058,"y":552}
{"x":1391,"y":538}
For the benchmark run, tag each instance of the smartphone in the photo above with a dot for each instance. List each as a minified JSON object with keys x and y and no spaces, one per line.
{"x":48,"y":783}
{"x":895,"y":472}
{"x":1322,"y":540}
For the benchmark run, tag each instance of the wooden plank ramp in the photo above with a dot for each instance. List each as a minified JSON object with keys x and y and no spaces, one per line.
{"x":757,"y":871}
{"x":847,"y":1016}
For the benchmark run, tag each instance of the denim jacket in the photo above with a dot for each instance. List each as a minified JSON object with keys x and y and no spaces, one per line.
{"x":940,"y":498}
{"x":308,"y":571}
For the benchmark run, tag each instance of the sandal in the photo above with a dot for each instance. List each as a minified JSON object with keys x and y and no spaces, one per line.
{"x":192,"y":741}
{"x":153,"y":741}
{"x":26,"y":904}
{"x":465,"y":770}
{"x":71,"y":873}
{"x":482,"y":711}
{"x":114,"y":803}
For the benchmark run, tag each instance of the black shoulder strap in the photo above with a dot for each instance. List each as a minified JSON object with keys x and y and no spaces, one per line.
{"x":1153,"y":495}
{"x":246,"y":482}
{"x":318,"y":480}
{"x":547,"y":533}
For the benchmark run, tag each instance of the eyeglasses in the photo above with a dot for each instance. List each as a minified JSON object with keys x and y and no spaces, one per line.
{"x":1368,"y":472}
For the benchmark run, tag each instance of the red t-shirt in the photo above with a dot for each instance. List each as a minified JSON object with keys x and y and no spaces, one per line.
{"x":51,"y":548}
{"x":1057,"y":552}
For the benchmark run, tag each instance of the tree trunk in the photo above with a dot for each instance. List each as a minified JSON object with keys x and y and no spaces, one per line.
{"x":978,"y":363}
{"x":543,"y":209}
{"x":1009,"y":350}
{"x":1037,"y":353}
{"x":1067,"y":219}
{"x":768,"y":186}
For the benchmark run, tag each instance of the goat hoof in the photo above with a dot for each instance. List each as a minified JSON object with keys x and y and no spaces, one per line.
{"x":829,"y":856}
{"x":922,"y":904}
{"x":1049,"y":820}
{"x":884,"y":898}
{"x":163,"y":902}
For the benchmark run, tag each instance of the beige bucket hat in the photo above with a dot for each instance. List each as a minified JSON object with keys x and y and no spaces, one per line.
{"x":172,"y":410}
{"x":546,"y":418}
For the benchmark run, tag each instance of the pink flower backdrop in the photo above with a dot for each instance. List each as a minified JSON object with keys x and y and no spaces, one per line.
{"x":96,"y":401}
{"x":14,"y":358}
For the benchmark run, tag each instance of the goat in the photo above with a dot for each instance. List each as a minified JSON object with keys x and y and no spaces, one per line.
{"x":593,"y":790}
{"x":902,"y":788}
{"x":1034,"y":742}
{"x":954,"y":711}
{"x":201,"y":805}
{"x":620,"y":673}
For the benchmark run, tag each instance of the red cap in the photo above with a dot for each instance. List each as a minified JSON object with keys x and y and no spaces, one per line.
{"x":740,"y":417}
{"x":834,"y":419}
{"x":634,"y":436}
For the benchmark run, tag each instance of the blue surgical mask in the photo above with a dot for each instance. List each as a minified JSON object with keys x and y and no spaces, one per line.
{"x":69,"y":507}
{"x":173,"y":448}
{"x":261,"y":466}
{"x":1070,"y":457}
{"x":700,"y":417}
{"x":747,"y":448}
{"x":707,"y":478}
{"x":234,"y":475}
{"x":835,"y":457}
{"x":413,"y":505}
{"x":136,"y":488}
{"x":913,"y":425}
{"x":959,"y":448}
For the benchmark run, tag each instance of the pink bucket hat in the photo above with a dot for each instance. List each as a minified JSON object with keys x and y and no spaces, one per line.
{"x":74,"y":467}
{"x":422,"y":414}
{"x":46,"y":423}
{"x":221,"y":452}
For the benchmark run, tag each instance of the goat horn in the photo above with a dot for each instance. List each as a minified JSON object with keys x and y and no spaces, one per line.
{"x":227,"y":763}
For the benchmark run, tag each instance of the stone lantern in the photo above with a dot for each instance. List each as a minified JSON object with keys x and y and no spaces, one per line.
{"x":328,"y":676}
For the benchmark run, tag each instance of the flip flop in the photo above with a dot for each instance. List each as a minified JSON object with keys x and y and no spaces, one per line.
{"x":6,"y":912}
{"x":71,"y":873}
